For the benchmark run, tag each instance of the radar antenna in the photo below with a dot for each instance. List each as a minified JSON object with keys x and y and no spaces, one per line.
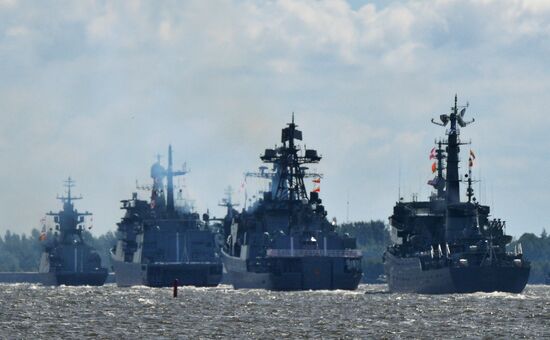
{"x":69,"y":183}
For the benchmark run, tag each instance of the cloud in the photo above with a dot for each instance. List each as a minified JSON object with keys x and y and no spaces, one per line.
{"x":95,"y":89}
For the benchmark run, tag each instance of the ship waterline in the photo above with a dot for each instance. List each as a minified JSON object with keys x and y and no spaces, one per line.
{"x":295,"y":272}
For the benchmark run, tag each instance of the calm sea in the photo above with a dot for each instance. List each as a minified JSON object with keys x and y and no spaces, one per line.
{"x":36,"y":312}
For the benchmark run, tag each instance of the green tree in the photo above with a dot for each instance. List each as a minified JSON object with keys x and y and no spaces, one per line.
{"x":537,"y":250}
{"x":372,"y":239}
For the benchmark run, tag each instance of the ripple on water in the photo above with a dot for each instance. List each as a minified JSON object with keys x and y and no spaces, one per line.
{"x":142,"y":312}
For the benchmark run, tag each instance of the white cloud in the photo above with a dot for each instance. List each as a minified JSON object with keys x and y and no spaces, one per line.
{"x":8,"y":3}
{"x":96,"y":89}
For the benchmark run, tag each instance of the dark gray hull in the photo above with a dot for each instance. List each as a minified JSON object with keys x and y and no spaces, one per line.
{"x":129,"y":274}
{"x":51,"y":279}
{"x":22,"y":277}
{"x":75,"y":279}
{"x":315,"y":273}
{"x":405,"y":275}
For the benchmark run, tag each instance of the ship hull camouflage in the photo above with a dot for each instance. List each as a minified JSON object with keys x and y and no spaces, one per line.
{"x":292,"y":273}
{"x":405,"y":275}
{"x":163,"y":274}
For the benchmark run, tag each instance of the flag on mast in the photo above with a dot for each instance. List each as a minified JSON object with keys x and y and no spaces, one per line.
{"x":317,"y":180}
{"x":472,"y":154}
{"x":432,"y":154}
{"x":434,"y":167}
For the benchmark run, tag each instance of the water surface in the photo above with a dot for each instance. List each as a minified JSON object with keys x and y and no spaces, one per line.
{"x":35,"y":311}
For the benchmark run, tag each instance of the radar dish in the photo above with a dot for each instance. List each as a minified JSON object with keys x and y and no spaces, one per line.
{"x":460,"y":121}
{"x":444,"y":119}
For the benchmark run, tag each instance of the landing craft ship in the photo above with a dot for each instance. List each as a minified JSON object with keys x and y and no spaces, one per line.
{"x":161,"y":241}
{"x":448,"y":246}
{"x":284,"y":241}
{"x":66,"y":259}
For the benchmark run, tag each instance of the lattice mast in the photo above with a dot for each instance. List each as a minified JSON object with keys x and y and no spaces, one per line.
{"x":288,"y":179}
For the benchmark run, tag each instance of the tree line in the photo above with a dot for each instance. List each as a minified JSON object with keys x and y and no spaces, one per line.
{"x":537,"y":250}
{"x":372,"y":239}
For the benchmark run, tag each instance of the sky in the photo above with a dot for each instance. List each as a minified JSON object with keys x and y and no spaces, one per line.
{"x":95,"y":89}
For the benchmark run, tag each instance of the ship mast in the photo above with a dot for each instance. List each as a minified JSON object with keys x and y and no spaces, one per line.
{"x":288,"y":180}
{"x":453,"y":150}
{"x":158,"y":173}
{"x":457,"y":216}
{"x":452,"y":181}
{"x":439,"y":182}
{"x":170,"y":174}
{"x":227,"y":201}
{"x":67,"y":200}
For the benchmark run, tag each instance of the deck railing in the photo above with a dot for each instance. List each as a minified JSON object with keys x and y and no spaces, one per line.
{"x":350,"y":253}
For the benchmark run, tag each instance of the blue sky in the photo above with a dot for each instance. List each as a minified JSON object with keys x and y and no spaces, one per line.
{"x":96,"y":89}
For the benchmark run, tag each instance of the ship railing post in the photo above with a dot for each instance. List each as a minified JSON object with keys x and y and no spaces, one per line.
{"x":292,"y":246}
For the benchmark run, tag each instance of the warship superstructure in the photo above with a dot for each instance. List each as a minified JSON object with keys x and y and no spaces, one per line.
{"x":67,"y":259}
{"x":445,"y":245}
{"x":284,"y":241}
{"x":161,"y":241}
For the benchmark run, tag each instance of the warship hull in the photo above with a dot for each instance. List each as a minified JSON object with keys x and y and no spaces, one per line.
{"x":74,"y":279}
{"x":52,"y":279}
{"x":405,"y":275}
{"x":306,"y":273}
{"x":163,"y":274}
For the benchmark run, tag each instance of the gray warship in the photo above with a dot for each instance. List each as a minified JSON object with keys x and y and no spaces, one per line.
{"x":448,"y":246}
{"x":284,"y":241}
{"x":160,"y":241}
{"x":67,"y":259}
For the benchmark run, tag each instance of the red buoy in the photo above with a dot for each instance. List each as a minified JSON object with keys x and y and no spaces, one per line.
{"x":176,"y":288}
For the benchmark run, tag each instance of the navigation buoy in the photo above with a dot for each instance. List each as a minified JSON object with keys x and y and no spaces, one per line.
{"x":176,"y":288}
